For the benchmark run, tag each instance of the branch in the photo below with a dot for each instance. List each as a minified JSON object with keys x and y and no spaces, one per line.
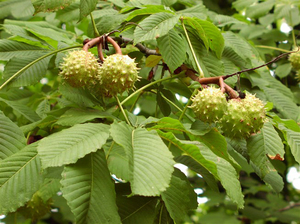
{"x":289,"y":207}
{"x":139,"y":46}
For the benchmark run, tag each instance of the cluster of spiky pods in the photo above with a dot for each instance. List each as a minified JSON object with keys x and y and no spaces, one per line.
{"x":237,"y":117}
{"x":113,"y":75}
{"x":294,"y":58}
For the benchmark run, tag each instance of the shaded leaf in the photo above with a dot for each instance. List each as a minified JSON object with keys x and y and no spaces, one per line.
{"x":151,"y":164}
{"x":20,"y":174}
{"x":149,"y":9}
{"x":86,"y":7}
{"x":12,"y":138}
{"x":89,"y":190}
{"x":69,"y":145}
{"x":31,"y":75}
{"x":50,"y":5}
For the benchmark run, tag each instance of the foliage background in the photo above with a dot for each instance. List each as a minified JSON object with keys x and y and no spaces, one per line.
{"x":59,"y":145}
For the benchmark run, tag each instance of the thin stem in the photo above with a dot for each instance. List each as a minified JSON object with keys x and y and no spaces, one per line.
{"x":192,"y":49}
{"x":35,"y":61}
{"x":148,"y":85}
{"x":122,"y":110}
{"x":94,"y":26}
{"x":110,"y":148}
{"x":135,"y":102}
{"x":187,"y":104}
{"x":273,"y":48}
{"x":294,"y":38}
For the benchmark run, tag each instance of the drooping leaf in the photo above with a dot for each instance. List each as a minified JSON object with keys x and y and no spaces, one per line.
{"x":154,"y":26}
{"x":217,"y":166}
{"x":20,"y":175}
{"x":89,"y":190}
{"x":163,"y":105}
{"x":12,"y":138}
{"x":10,"y":49}
{"x":151,"y":164}
{"x":293,"y":139}
{"x":282,"y":103}
{"x":31,"y":75}
{"x":180,"y":197}
{"x":273,"y":143}
{"x":71,"y":144}
{"x":86,"y":7}
{"x":27,"y":112}
{"x":153,"y":60}
{"x":50,"y":5}
{"x":257,"y":150}
{"x":173,"y":49}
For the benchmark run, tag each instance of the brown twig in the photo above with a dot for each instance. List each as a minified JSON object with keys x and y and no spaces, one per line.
{"x":289,"y":207}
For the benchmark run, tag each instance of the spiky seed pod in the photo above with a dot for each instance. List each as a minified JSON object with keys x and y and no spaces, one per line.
{"x":80,"y":69}
{"x":209,"y":104}
{"x":294,"y":58}
{"x":243,"y":117}
{"x":117,"y":74}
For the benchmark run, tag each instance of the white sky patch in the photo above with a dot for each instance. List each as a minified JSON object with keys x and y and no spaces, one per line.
{"x":44,"y":81}
{"x":137,"y":110}
{"x":181,"y":98}
{"x":1,"y":67}
{"x":182,"y":167}
{"x":285,"y":28}
{"x":293,"y":177}
{"x":2,"y":216}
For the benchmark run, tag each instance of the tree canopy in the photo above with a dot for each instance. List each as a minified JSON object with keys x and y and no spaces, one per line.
{"x":90,"y":137}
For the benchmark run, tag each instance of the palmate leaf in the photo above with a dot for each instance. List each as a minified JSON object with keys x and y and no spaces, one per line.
{"x":89,"y":190}
{"x":10,"y":49}
{"x":50,"y":5}
{"x":86,"y":7}
{"x":12,"y":138}
{"x":156,"y":25}
{"x":20,"y":176}
{"x":173,"y":49}
{"x":217,"y":166}
{"x":180,"y":197}
{"x":150,"y":161}
{"x":257,"y":150}
{"x":29,"y":76}
{"x":71,"y":144}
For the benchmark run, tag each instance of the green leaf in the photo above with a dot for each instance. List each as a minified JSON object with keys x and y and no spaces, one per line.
{"x":211,"y":33}
{"x":257,"y":149}
{"x":151,"y":164}
{"x":226,"y":174}
{"x":135,"y":209}
{"x":22,"y":109}
{"x":180,"y":197}
{"x":149,"y":9}
{"x":6,"y":7}
{"x":283,"y":70}
{"x":273,"y":143}
{"x":89,"y":190}
{"x":293,"y":139}
{"x":86,"y":7}
{"x":20,"y":175}
{"x":282,"y":103}
{"x":217,"y":166}
{"x":198,"y":168}
{"x":12,"y":138}
{"x":50,"y":5}
{"x":117,"y":161}
{"x":242,"y":4}
{"x":154,"y":26}
{"x":31,"y":75}
{"x":10,"y":49}
{"x":43,"y":108}
{"x":173,"y":49}
{"x":163,"y":105}
{"x":260,"y":9}
{"x":78,"y":115}
{"x":71,"y":144}
{"x":198,"y":11}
